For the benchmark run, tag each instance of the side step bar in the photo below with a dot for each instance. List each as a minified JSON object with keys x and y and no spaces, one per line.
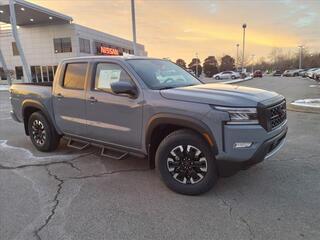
{"x":77,"y":144}
{"x":109,"y":152}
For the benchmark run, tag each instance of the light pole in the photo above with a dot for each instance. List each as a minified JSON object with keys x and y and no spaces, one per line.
{"x":243,"y":44}
{"x":133,"y":15}
{"x":300,"y":56}
{"x":237,"y":61}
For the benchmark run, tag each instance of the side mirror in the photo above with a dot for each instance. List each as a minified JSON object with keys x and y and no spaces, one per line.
{"x":124,"y":88}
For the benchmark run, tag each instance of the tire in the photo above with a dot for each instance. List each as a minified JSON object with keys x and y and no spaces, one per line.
{"x":43,"y":136}
{"x":203,"y":164}
{"x":233,"y":77}
{"x":217,"y":78}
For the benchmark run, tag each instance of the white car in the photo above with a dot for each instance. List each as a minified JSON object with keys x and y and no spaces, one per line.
{"x":226,"y":75}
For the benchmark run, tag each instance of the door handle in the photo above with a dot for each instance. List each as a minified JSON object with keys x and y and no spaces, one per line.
{"x":59,"y":96}
{"x":92,"y":100}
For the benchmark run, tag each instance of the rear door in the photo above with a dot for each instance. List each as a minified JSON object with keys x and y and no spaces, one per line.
{"x":69,"y":98}
{"x":112,"y":118}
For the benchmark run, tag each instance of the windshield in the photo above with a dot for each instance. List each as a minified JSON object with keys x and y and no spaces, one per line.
{"x":162,"y":74}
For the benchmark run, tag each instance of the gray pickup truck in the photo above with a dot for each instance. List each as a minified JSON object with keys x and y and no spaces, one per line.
{"x":190,"y":131}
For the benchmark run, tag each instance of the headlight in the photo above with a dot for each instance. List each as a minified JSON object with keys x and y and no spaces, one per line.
{"x":241,"y":115}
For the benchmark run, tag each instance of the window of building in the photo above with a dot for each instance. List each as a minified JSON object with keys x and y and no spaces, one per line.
{"x":62,"y":45}
{"x":44,"y":74}
{"x":75,"y":75}
{"x":108,"y":73}
{"x":84,"y":45}
{"x":50,"y":72}
{"x":3,"y":75}
{"x":15,"y":49}
{"x":19,"y":73}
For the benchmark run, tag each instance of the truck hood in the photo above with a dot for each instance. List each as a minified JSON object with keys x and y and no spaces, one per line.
{"x":221,"y":95}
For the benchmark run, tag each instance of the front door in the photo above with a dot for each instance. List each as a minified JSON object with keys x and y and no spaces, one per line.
{"x":112,"y":118}
{"x":69,"y":99}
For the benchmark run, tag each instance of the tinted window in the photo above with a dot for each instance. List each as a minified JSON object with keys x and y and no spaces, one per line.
{"x":162,"y":74}
{"x":19,"y":72}
{"x":15,"y":51}
{"x":84,"y":45}
{"x":108,"y":73}
{"x":75,"y":75}
{"x":62,"y":45}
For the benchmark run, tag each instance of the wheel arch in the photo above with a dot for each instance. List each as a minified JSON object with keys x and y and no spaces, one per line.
{"x":164,"y":124}
{"x":31,"y":106}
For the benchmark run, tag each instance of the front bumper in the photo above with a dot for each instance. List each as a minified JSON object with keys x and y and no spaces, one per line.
{"x":234,"y":160}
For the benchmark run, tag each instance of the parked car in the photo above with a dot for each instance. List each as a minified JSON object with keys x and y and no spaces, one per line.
{"x":257,"y":73}
{"x":317,"y":75}
{"x":291,"y":73}
{"x":226,"y":75}
{"x":276,"y":73}
{"x":193,"y":132}
{"x":303,"y":72}
{"x":310,"y":72}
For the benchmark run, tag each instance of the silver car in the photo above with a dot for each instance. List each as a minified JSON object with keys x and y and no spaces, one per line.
{"x":226,"y":75}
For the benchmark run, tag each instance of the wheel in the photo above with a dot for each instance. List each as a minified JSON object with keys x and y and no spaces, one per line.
{"x":43,"y":136}
{"x":233,"y":77}
{"x":186,"y":163}
{"x":217,"y":78}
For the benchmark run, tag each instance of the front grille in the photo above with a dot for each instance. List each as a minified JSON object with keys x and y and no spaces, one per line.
{"x":278,"y":114}
{"x":273,"y":116}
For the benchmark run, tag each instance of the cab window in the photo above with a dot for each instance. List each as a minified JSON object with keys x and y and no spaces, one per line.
{"x":107,"y":73}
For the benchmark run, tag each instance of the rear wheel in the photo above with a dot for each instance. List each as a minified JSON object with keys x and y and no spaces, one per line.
{"x":186,"y":163}
{"x":233,"y":77}
{"x":43,"y":136}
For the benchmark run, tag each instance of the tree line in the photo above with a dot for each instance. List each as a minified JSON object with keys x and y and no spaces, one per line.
{"x":279,"y":59}
{"x":210,"y":65}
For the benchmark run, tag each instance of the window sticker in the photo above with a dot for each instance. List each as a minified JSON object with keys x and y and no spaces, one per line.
{"x":108,"y":76}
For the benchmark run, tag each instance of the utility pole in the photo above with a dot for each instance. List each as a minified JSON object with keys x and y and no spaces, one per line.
{"x":197,"y":57}
{"x":237,"y":61}
{"x":244,"y":26}
{"x":134,"y":35}
{"x":300,"y":56}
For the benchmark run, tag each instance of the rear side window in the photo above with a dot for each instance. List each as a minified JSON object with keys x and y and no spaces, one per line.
{"x":75,"y":75}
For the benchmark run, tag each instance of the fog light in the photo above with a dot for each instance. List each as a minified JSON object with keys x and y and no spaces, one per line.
{"x":242,"y":145}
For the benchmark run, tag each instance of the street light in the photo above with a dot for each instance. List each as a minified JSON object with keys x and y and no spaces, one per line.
{"x":244,"y":26}
{"x":133,"y":15}
{"x":237,"y":62}
{"x":300,"y":56}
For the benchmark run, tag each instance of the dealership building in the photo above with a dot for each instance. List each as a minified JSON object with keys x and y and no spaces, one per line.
{"x":46,"y":38}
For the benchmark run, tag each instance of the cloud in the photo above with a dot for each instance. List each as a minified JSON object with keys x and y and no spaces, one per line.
{"x":307,"y":20}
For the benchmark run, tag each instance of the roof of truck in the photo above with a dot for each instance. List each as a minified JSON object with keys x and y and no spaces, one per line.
{"x":121,"y":58}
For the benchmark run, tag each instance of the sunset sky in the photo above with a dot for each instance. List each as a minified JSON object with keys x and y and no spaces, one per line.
{"x":180,"y":28}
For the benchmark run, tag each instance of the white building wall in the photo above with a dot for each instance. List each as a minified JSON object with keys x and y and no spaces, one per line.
{"x":37,"y":43}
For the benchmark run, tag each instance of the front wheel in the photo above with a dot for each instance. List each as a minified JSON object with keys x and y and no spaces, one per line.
{"x":233,"y":77}
{"x":217,"y":78}
{"x":186,"y":163}
{"x":43,"y":136}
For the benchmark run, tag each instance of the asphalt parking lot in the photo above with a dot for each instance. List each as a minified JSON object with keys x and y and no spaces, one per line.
{"x":72,"y":194}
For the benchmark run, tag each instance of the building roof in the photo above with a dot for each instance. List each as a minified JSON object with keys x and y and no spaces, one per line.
{"x":31,"y":14}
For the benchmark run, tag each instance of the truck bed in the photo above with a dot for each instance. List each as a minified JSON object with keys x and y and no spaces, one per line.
{"x":22,"y":92}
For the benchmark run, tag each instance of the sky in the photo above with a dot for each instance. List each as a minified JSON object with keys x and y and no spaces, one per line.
{"x":181,"y":28}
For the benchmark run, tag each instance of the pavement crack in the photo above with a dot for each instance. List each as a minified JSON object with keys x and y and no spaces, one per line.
{"x":225,"y":203}
{"x":248,"y":227}
{"x":55,"y":206}
{"x":110,"y":173}
{"x":47,"y":164}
